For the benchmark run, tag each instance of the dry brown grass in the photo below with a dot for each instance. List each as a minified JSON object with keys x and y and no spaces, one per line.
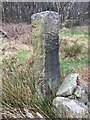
{"x":84,"y":77}
{"x":17,"y":74}
{"x":19,"y":39}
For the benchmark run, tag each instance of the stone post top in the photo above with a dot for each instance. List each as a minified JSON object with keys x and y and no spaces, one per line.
{"x":51,"y":14}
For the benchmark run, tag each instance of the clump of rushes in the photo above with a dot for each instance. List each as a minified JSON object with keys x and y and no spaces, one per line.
{"x":19,"y":90}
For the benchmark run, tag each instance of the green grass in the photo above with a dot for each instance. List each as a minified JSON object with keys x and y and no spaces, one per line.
{"x":68,"y":66}
{"x":74,"y":33}
{"x":22,"y":54}
{"x":76,"y":56}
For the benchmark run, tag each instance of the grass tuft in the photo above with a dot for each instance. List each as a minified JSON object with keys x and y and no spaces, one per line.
{"x":19,"y":90}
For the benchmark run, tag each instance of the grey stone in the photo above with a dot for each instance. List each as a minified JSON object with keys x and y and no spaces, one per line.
{"x":68,"y":85}
{"x":45,"y":40}
{"x":72,"y":97}
{"x":54,"y":16}
{"x":72,"y":108}
{"x":81,"y":94}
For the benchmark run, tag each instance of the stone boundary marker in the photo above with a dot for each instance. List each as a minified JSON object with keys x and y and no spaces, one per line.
{"x":45,"y":40}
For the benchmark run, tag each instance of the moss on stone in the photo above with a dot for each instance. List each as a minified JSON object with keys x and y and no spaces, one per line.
{"x":38,"y":50}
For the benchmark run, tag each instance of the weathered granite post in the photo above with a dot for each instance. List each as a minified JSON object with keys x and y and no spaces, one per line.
{"x":45,"y":40}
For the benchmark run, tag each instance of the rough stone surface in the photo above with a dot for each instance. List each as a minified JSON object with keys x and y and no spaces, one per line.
{"x":72,"y":99}
{"x":68,"y":85}
{"x":45,"y":40}
{"x":81,"y":94}
{"x":73,"y":108}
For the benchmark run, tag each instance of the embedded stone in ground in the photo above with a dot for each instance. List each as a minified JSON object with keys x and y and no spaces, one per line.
{"x":70,"y":107}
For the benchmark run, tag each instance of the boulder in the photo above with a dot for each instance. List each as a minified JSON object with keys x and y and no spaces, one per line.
{"x":81,"y":94}
{"x":68,"y":85}
{"x":71,"y":108}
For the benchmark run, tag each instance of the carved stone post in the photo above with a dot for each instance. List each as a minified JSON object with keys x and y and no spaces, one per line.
{"x":45,"y":40}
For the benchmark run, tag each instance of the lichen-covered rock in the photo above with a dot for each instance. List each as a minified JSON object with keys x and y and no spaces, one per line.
{"x":72,"y":108}
{"x":45,"y":40}
{"x":68,"y":85}
{"x":52,"y":15}
{"x":81,"y":94}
